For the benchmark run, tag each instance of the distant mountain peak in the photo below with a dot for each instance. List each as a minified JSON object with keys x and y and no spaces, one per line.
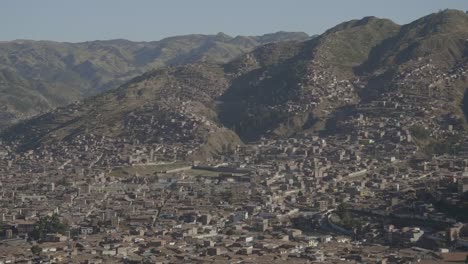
{"x":446,"y":20}
{"x":223,"y":37}
{"x":366,"y":21}
{"x":439,"y":36}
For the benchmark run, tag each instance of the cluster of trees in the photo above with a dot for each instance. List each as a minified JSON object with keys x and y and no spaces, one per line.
{"x":458,"y":211}
{"x":48,"y":225}
{"x":347,"y":220}
{"x":304,"y":223}
{"x":228,"y":196}
{"x":419,"y":132}
{"x":36,"y":250}
{"x":450,"y":145}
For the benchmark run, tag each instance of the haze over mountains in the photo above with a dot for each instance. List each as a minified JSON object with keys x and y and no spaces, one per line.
{"x":277,"y":90}
{"x":36,"y":76}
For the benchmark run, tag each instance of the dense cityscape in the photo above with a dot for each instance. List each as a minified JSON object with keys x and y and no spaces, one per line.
{"x":331,"y":158}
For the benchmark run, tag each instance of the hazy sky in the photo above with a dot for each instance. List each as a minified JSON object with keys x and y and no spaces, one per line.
{"x":81,"y":20}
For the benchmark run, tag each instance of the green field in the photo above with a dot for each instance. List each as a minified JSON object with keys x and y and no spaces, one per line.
{"x":151,"y":170}
{"x":201,"y":173}
{"x":146,"y":169}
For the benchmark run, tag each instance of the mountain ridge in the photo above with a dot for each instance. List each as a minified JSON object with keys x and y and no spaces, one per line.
{"x":277,"y":90}
{"x":78,"y":70}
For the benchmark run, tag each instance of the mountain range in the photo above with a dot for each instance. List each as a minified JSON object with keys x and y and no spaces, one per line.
{"x":280,"y":89}
{"x":37,"y":76}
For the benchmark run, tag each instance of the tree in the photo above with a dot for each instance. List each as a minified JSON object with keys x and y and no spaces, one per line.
{"x":345,"y":216}
{"x":47,"y":225}
{"x":342,"y":210}
{"x":36,"y":250}
{"x":228,"y":196}
{"x":419,"y":132}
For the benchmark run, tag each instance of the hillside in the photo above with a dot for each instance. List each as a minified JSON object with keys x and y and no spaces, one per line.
{"x":312,"y":79}
{"x":155,"y":109}
{"x":50,"y":74}
{"x":427,"y":58}
{"x":357,"y":73}
{"x":439,"y":36}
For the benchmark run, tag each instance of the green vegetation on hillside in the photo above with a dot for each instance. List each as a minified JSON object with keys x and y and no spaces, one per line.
{"x":450,"y":145}
{"x":440,"y":35}
{"x":420,"y":132}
